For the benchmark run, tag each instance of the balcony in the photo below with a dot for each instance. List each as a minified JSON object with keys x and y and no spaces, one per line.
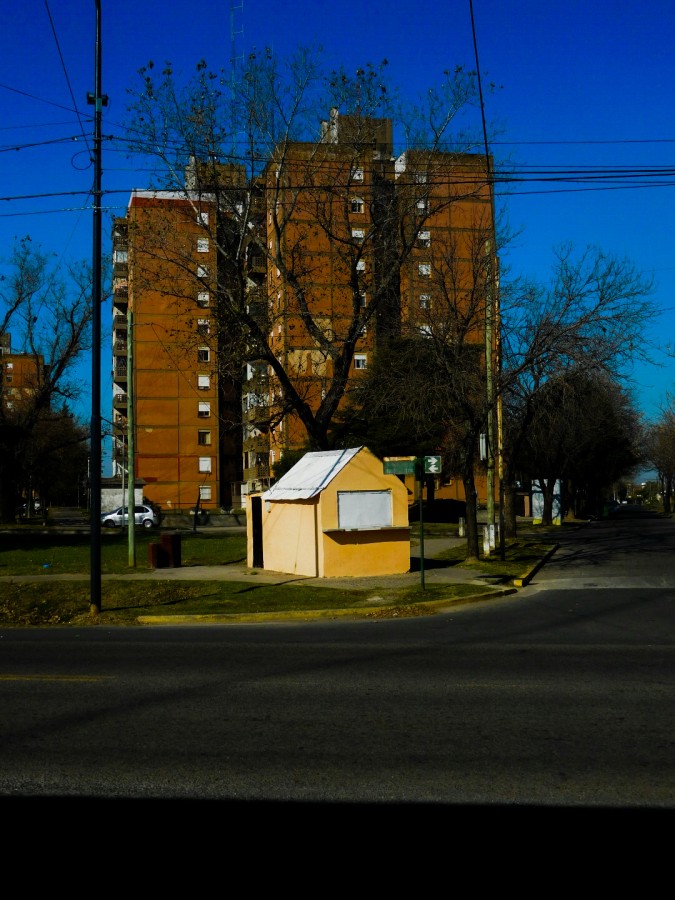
{"x":258,"y":444}
{"x":256,"y":472}
{"x":120,"y":348}
{"x":120,"y":401}
{"x":120,"y":370}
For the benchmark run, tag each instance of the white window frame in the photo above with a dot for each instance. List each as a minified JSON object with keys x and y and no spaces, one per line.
{"x":424,"y":270}
{"x":425,"y":301}
{"x":202,"y":271}
{"x":360,"y":361}
{"x":361,"y":265}
{"x":358,"y":234}
{"x":203,"y":354}
{"x":205,"y":465}
{"x":203,"y":299}
{"x":203,"y":218}
{"x":202,"y":245}
{"x":204,"y":326}
{"x":357,"y":174}
{"x":424,"y":239}
{"x":204,"y":409}
{"x":204,"y":382}
{"x":204,"y":491}
{"x":356,"y":205}
{"x":206,"y":434}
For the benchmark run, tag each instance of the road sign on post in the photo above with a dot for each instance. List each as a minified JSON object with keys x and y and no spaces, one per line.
{"x":432,"y":465}
{"x":399,"y":466}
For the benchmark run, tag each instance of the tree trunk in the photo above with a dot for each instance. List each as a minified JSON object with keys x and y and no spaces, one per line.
{"x":509,"y":498}
{"x":547,"y":489}
{"x":471,"y":494}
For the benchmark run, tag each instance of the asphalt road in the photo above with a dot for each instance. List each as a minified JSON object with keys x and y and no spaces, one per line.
{"x":558,"y":697}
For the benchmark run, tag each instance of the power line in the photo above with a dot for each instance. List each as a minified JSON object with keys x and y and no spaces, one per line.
{"x":65,"y":72}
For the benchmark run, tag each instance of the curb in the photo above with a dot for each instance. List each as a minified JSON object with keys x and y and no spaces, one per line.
{"x":525,"y":579}
{"x":383,"y":612}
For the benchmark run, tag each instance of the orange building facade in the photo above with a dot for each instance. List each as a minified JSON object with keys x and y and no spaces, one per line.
{"x":166,"y":389}
{"x":345,"y":203}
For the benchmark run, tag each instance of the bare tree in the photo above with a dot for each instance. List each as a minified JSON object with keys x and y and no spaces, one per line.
{"x":590,"y":318}
{"x":283,"y":152}
{"x":45,"y":315}
{"x":660,"y":451}
{"x":585,"y":433}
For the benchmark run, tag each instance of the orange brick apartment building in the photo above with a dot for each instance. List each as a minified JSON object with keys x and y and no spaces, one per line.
{"x":197,"y":429}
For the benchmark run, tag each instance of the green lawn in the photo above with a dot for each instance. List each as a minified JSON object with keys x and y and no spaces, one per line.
{"x":123,"y":602}
{"x":40,"y":553}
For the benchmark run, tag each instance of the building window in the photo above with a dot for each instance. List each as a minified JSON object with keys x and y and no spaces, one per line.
{"x":204,"y":354}
{"x":425,"y":301}
{"x":203,"y":382}
{"x":205,"y":492}
{"x":425,"y":270}
{"x":204,"y":410}
{"x":356,"y":205}
{"x":239,"y":207}
{"x":9,"y":378}
{"x":360,"y":361}
{"x":202,"y":271}
{"x":421,"y":206}
{"x":357,"y":174}
{"x":203,"y":326}
{"x":202,"y":245}
{"x":203,"y":218}
{"x":120,"y":256}
{"x":204,"y":463}
{"x":203,"y":299}
{"x":362,"y":299}
{"x":361,"y":265}
{"x":421,"y":177}
{"x":204,"y":438}
{"x":9,"y":366}
{"x":358,"y":234}
{"x":424,"y":239}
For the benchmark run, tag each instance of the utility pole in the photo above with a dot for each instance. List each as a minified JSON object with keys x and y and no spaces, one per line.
{"x":98,"y":101}
{"x":131,"y":465}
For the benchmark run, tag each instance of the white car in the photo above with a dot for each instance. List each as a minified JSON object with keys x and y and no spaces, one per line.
{"x":143,"y":515}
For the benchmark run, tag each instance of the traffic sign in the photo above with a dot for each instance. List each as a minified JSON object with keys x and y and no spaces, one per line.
{"x":399,"y":466}
{"x":432,"y":465}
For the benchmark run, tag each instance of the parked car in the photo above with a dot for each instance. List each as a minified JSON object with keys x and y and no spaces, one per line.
{"x":143,"y":515}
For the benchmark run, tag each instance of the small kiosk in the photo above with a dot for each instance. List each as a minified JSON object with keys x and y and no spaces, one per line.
{"x":335,"y":513}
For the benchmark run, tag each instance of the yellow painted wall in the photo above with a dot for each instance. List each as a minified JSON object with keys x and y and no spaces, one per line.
{"x":289,"y":543}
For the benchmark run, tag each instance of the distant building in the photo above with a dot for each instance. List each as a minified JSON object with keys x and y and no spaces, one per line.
{"x":22,"y":375}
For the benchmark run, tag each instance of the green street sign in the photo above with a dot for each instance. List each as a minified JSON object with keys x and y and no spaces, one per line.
{"x":432,"y":465}
{"x":399,"y":466}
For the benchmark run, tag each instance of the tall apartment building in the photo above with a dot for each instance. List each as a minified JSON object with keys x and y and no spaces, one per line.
{"x":21,"y":375}
{"x":184,"y":424}
{"x":372,"y":239}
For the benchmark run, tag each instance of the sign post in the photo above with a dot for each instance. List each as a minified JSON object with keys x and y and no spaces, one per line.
{"x":417,"y":466}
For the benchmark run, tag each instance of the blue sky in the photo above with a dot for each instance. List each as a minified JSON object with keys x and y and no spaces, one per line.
{"x":580,"y":84}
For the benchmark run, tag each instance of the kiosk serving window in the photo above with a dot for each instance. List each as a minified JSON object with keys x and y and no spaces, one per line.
{"x":365,"y":509}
